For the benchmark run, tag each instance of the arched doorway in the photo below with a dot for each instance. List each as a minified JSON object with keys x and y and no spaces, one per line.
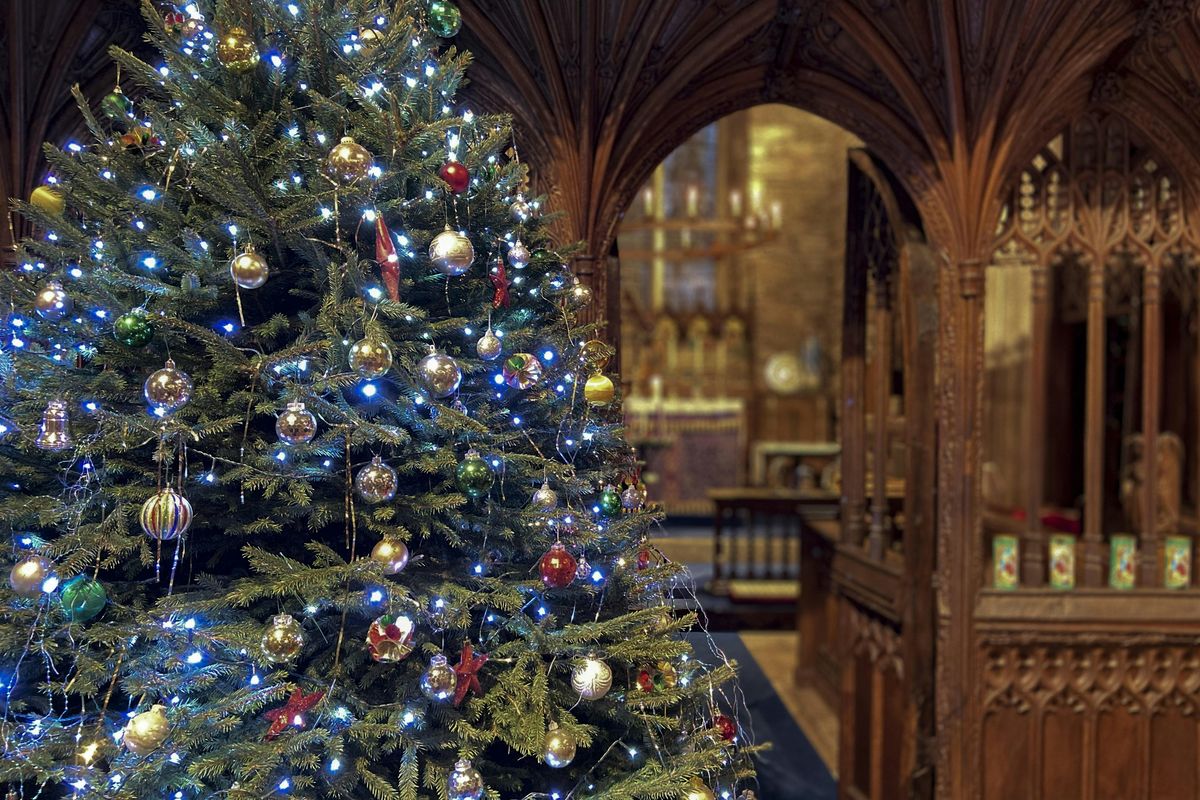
{"x":733,"y":258}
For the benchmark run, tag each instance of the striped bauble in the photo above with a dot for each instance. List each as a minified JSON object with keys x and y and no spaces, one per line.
{"x":166,"y":515}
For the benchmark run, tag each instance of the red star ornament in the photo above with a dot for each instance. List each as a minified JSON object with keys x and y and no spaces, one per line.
{"x":499,"y":278}
{"x":389,"y":261}
{"x":292,"y":712}
{"x":467,"y":670}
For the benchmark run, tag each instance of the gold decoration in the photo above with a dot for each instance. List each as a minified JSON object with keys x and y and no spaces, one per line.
{"x":283,"y":640}
{"x":595,"y":354}
{"x":376,"y":482}
{"x":49,"y":200}
{"x":370,"y":357}
{"x":237,"y":50}
{"x":698,"y":791}
{"x":146,"y":732}
{"x":29,"y":574}
{"x":348,"y":161}
{"x":560,"y":746}
{"x":599,"y":390}
{"x":249,"y":269}
{"x":393,"y":554}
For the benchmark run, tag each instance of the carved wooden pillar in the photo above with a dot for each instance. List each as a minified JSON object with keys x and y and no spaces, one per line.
{"x":1148,"y":561}
{"x":1093,"y":432}
{"x":854,"y":367}
{"x":1033,"y":551}
{"x":879,"y":538}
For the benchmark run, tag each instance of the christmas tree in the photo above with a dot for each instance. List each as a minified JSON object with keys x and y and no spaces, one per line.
{"x":316,"y":486}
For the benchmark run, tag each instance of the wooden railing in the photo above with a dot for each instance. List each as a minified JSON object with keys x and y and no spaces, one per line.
{"x":758,"y":533}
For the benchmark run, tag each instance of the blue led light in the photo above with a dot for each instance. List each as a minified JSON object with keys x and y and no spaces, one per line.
{"x":498,"y":379}
{"x":148,"y":193}
{"x":368,"y":390}
{"x":195,"y":657}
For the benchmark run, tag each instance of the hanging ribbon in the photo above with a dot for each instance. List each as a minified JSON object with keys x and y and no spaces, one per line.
{"x":389,"y":262}
{"x":499,"y":278}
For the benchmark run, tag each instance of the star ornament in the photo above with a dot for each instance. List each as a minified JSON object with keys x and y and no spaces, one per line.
{"x":467,"y":672}
{"x":291,"y":713}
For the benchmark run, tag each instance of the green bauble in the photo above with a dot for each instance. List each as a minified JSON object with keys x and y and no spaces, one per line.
{"x":134,"y":329}
{"x":116,"y":106}
{"x":609,"y":502}
{"x":82,"y":598}
{"x":475,"y":477}
{"x":444,"y":18}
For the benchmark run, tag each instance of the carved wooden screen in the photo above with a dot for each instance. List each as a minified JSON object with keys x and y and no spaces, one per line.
{"x":882,"y":569}
{"x":1093,"y":265}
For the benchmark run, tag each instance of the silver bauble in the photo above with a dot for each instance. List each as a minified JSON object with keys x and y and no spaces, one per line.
{"x":376,"y":482}
{"x":518,"y":255}
{"x":439,"y":374}
{"x":520,"y":209}
{"x":591,"y":678}
{"x":52,"y":302}
{"x":54,"y":434}
{"x":168,"y":388}
{"x":578,"y":295}
{"x":440,"y":680}
{"x":465,"y":782}
{"x":296,"y":424}
{"x":545,"y":499}
{"x":451,"y":252}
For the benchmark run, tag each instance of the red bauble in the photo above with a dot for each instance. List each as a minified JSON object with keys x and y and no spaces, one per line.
{"x":557,"y":567}
{"x":643,"y":558}
{"x":645,"y":680}
{"x":456,"y":175}
{"x":725,"y":726}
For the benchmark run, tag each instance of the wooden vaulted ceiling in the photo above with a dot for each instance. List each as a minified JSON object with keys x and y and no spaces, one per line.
{"x":953,"y":95}
{"x":950,"y":94}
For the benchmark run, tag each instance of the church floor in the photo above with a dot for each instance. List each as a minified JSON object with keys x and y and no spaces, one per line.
{"x":802,"y":729}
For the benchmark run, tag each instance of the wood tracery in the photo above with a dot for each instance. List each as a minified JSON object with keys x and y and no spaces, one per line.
{"x":1101,"y":224}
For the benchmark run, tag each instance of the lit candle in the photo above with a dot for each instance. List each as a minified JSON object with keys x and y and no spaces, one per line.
{"x":648,"y":201}
{"x":693,"y":201}
{"x":776,"y":215}
{"x":735,"y":202}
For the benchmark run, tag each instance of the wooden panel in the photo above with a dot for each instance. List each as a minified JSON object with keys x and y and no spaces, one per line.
{"x":1006,"y":773}
{"x":1173,"y":756}
{"x":896,"y":736}
{"x":1119,"y":758}
{"x":1062,"y":748}
{"x":860,"y":705}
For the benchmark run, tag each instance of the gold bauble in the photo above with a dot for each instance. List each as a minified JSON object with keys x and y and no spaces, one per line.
{"x":668,"y":674}
{"x":560,"y":746}
{"x":591,"y":678}
{"x":599,"y":390}
{"x":698,"y":791}
{"x":249,"y":269}
{"x":48,"y":199}
{"x":146,"y":732}
{"x":595,"y":354}
{"x":52,"y":302}
{"x":370,"y":357}
{"x":237,"y":51}
{"x":393,"y":554}
{"x":451,"y":252}
{"x":29,"y":574}
{"x":489,"y":345}
{"x":545,"y":499}
{"x":348,"y":161}
{"x":283,"y":639}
